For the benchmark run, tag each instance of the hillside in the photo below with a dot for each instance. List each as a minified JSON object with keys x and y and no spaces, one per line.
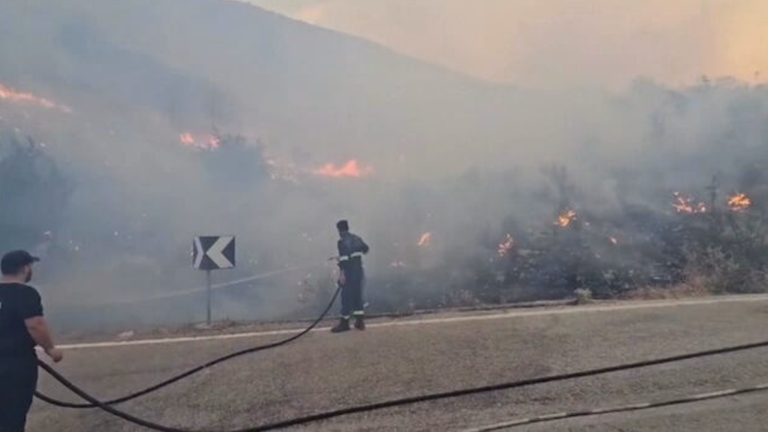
{"x":318,"y":94}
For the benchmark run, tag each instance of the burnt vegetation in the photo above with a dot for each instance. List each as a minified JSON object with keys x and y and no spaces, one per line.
{"x":675,"y":245}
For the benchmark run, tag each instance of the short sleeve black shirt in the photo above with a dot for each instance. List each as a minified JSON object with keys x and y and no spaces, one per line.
{"x":18,"y":303}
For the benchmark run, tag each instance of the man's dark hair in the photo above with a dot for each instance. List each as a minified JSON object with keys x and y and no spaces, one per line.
{"x":14,"y":261}
{"x":342,"y":226}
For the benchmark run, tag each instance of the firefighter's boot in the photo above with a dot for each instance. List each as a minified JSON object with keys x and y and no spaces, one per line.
{"x":342,"y":326}
{"x":360,"y":322}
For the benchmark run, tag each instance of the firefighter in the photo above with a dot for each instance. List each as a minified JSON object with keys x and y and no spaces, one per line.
{"x":351,"y":278}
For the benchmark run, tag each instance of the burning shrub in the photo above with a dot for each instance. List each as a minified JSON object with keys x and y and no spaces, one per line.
{"x":718,"y":246}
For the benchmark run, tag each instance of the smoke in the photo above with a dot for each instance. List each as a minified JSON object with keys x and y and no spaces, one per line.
{"x":560,"y":42}
{"x":441,"y":153}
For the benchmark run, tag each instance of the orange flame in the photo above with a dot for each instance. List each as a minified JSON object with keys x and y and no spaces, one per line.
{"x":739,"y":202}
{"x":506,"y":246}
{"x":11,"y":95}
{"x":425,"y":240}
{"x":566,"y":219}
{"x":351,"y":169}
{"x":684,"y":204}
{"x":187,"y":138}
{"x":212,"y":143}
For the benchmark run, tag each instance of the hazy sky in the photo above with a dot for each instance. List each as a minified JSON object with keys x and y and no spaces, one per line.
{"x":555,"y":42}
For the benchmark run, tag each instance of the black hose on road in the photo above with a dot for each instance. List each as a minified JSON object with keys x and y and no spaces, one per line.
{"x":620,"y":409}
{"x":179,"y":377}
{"x":413,"y":399}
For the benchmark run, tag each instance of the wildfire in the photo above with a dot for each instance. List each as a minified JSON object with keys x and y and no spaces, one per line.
{"x":425,"y":240}
{"x":684,"y":204}
{"x":739,"y":202}
{"x":566,"y":219}
{"x":351,"y":169}
{"x":506,"y":245}
{"x":189,"y":140}
{"x":11,"y":95}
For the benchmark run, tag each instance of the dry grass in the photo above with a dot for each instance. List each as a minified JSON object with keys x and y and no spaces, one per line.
{"x":692,"y":288}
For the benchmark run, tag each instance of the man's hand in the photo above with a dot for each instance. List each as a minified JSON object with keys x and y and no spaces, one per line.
{"x":55,"y":354}
{"x":342,"y":278}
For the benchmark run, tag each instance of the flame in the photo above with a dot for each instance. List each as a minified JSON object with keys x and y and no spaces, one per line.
{"x":684,"y":204}
{"x":425,"y":240}
{"x":739,"y":202}
{"x":566,"y":219}
{"x":189,"y":140}
{"x":351,"y":169}
{"x":11,"y":95}
{"x":506,"y":245}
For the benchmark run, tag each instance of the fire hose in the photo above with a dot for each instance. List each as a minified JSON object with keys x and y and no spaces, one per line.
{"x":195,"y":370}
{"x":620,"y":409}
{"x":412,"y":399}
{"x":218,"y":286}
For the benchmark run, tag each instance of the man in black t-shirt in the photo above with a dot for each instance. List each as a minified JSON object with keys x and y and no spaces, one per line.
{"x":22,"y":327}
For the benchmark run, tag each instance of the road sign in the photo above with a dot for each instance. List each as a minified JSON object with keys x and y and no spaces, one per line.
{"x":213,"y":252}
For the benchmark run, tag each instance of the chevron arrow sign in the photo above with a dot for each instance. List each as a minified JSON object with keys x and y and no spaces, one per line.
{"x":213,"y":252}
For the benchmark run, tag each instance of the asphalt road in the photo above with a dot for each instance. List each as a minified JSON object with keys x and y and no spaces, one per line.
{"x":440,"y":353}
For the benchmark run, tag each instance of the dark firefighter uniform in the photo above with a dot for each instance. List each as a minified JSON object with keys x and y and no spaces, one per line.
{"x":351,"y":251}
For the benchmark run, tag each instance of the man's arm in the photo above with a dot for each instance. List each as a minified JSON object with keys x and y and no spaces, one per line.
{"x":340,"y":256}
{"x":31,"y":311}
{"x":343,"y":260}
{"x":41,"y":334}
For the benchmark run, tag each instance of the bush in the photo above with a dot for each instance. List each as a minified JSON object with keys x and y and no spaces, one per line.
{"x":33,"y":193}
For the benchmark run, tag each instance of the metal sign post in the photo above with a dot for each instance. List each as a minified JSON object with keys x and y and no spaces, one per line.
{"x":212,"y":253}
{"x":210,"y":295}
